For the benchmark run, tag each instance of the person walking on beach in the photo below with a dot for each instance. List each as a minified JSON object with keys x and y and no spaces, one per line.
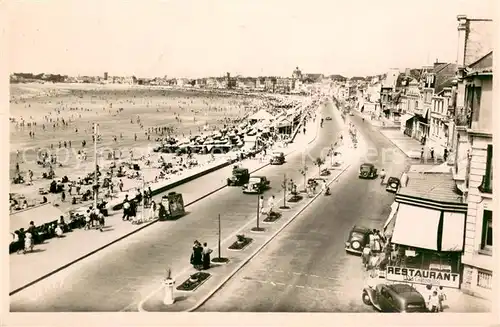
{"x":206,"y":256}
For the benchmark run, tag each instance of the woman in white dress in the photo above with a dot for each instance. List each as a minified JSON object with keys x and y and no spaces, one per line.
{"x":152,"y":210}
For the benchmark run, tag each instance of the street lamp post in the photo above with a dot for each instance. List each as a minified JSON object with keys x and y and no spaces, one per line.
{"x":143,"y":198}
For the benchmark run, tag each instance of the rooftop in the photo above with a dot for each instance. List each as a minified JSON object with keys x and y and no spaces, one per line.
{"x":430,"y":185}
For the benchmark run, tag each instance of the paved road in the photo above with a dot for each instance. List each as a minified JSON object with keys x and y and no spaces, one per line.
{"x":306,"y":269}
{"x":120,"y":276}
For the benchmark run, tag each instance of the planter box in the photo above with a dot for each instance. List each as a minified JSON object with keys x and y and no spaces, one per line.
{"x":236,"y":246}
{"x":189,"y":286}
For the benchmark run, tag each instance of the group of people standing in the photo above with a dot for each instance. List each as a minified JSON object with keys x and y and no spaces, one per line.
{"x":200,"y":257}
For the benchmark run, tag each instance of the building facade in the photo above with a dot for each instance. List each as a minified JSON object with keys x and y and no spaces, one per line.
{"x":473,"y":147}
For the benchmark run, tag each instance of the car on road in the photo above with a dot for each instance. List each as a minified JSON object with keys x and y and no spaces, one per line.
{"x":277,"y":158}
{"x":240,"y":177}
{"x":328,"y":118}
{"x":394,"y":298}
{"x":351,"y":113}
{"x":367,"y":171}
{"x":358,"y":238}
{"x":256,"y":185}
{"x":393,"y":184}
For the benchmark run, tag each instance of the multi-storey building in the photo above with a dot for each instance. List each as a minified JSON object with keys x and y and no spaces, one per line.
{"x":473,"y":150}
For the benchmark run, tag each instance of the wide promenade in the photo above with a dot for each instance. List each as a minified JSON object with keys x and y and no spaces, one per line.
{"x":120,"y":275}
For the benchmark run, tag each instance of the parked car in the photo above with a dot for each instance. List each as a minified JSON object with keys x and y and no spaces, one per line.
{"x":351,"y":113}
{"x":393,"y":184}
{"x":394,"y":298}
{"x":328,"y":118}
{"x":240,"y":177}
{"x":277,"y":158}
{"x":256,"y":184}
{"x":367,"y":171}
{"x":358,"y":238}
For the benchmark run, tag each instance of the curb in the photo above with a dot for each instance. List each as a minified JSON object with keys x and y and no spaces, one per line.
{"x":248,"y":259}
{"x":19,"y":289}
{"x":251,"y":221}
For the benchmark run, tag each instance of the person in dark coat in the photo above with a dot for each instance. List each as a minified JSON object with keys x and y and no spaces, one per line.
{"x":206,"y":256}
{"x":162,"y":212}
{"x":197,"y":256}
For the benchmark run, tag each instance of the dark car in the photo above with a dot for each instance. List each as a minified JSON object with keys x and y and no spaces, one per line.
{"x":328,"y":118}
{"x":367,"y":171}
{"x":394,"y":298}
{"x":256,"y":184}
{"x":277,"y":158}
{"x":358,"y":238}
{"x":393,"y":184}
{"x":239,"y":177}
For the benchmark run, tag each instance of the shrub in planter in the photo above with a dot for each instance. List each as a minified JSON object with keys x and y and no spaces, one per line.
{"x":273,"y":217}
{"x":241,"y":242}
{"x":194,"y":281}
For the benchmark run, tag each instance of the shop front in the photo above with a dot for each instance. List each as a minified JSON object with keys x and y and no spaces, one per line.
{"x":427,"y":238}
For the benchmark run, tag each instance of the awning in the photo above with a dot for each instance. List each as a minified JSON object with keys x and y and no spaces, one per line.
{"x":394,"y":209}
{"x":453,"y":231}
{"x":417,"y":227}
{"x":406,"y":117}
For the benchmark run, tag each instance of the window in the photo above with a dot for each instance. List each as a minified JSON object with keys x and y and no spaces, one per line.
{"x":484,"y":279}
{"x":487,"y":183}
{"x":487,"y":234}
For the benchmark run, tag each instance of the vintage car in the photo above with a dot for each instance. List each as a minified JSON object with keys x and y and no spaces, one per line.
{"x":351,"y":113}
{"x":367,"y":171}
{"x":393,"y":184}
{"x":394,"y":298}
{"x":277,"y":158}
{"x":239,"y":177}
{"x":328,"y":118}
{"x":358,"y":238}
{"x":256,"y":184}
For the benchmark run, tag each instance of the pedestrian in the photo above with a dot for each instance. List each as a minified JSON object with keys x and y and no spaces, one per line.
{"x":261,"y":205}
{"x":63,"y":196}
{"x":120,"y":185}
{"x":432,"y":153}
{"x":422,"y":154}
{"x":28,"y":243}
{"x":270,"y":204}
{"x":101,"y":221}
{"x":366,"y":256}
{"x":445,"y":155}
{"x":126,"y":210}
{"x":196,"y":255}
{"x":206,"y":256}
{"x":442,"y":298}
{"x":434,"y":302}
{"x":382,"y":176}
{"x":152,"y":211}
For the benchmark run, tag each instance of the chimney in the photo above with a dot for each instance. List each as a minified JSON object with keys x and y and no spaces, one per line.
{"x":463,"y":30}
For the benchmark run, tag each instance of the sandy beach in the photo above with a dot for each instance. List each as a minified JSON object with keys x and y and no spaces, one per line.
{"x":56,"y":119}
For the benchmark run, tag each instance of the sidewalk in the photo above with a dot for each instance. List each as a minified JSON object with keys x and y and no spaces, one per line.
{"x":381,"y":122}
{"x":219,"y":274}
{"x":26,"y":270}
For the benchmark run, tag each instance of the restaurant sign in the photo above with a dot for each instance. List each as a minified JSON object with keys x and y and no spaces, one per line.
{"x":423,"y":276}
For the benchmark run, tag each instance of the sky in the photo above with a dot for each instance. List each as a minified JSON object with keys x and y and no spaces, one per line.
{"x":187,"y":38}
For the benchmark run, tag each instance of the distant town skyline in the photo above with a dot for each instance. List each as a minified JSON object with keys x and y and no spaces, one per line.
{"x":195,"y":39}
